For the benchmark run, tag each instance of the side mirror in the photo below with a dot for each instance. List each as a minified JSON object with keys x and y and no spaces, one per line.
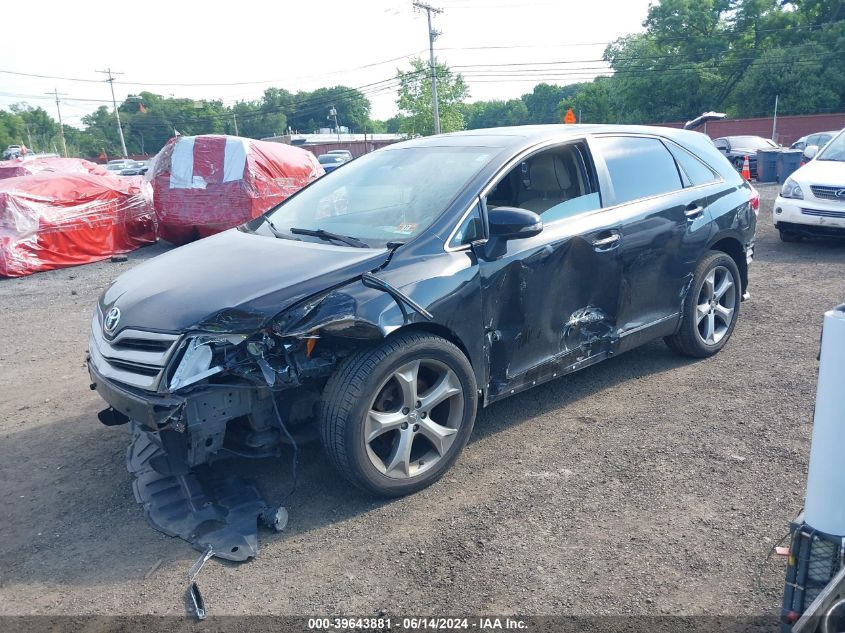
{"x":810,"y":152}
{"x":513,"y":223}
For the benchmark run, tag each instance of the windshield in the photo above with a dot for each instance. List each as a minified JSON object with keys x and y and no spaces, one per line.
{"x":387,"y":196}
{"x":753,"y":142}
{"x":329,"y":158}
{"x":834,"y":150}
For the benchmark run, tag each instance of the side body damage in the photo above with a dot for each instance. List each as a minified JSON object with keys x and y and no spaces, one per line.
{"x":229,"y":354}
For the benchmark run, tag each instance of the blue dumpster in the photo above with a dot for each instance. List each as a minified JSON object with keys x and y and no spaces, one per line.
{"x":788,"y":161}
{"x":767,"y":165}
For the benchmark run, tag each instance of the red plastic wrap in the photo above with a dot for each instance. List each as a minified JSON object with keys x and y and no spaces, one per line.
{"x":28,"y":166}
{"x":52,"y":220}
{"x":206,"y":184}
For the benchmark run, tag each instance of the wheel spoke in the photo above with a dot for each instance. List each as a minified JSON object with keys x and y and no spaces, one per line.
{"x":708,"y":289}
{"x":441,"y":437}
{"x":724,"y":314}
{"x":725,"y":284}
{"x":446,"y":387}
{"x":709,"y":328}
{"x":400,"y":456}
{"x":701,"y":311}
{"x":379,"y":423}
{"x":406,"y":376}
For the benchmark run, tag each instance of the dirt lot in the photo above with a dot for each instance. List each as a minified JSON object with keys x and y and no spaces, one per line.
{"x":647,"y":484}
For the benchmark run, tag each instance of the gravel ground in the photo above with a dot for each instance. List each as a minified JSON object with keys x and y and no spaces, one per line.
{"x":647,"y":484}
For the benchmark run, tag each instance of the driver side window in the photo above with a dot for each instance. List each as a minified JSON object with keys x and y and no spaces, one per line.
{"x":556,"y":184}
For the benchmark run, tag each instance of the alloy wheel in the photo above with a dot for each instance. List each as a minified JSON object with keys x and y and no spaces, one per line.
{"x":716,"y":305}
{"x":414,"y":418}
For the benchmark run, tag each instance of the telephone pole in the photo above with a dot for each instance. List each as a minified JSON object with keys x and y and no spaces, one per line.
{"x":333,"y":113}
{"x":110,"y":80}
{"x":432,"y":35}
{"x":59,"y":110}
{"x":235,"y":121}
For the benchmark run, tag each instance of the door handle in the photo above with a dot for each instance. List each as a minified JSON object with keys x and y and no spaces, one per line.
{"x":606,"y":243}
{"x":693,"y":211}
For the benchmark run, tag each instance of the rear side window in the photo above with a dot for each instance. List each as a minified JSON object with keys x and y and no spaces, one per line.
{"x":639,"y":167}
{"x":693,"y":171}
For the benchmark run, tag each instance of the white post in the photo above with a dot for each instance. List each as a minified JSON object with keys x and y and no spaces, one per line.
{"x":824,"y":509}
{"x":775,"y":122}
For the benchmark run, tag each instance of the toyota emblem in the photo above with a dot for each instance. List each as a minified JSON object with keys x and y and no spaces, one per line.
{"x":112,"y":318}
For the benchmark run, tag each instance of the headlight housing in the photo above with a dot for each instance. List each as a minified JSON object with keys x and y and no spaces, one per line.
{"x":201,"y":358}
{"x":791,"y":189}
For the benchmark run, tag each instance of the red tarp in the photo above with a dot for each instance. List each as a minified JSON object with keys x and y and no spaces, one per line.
{"x":206,"y":184}
{"x":28,"y":166}
{"x":52,"y":220}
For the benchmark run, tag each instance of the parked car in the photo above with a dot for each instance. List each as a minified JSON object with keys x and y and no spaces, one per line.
{"x":819,"y":138}
{"x":341,"y":152}
{"x":812,"y":200}
{"x":119,"y":164}
{"x":736,"y":148}
{"x":13,"y":151}
{"x":330,"y":162}
{"x":381,"y":305}
{"x":138,"y":168}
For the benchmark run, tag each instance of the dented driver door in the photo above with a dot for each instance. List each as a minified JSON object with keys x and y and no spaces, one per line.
{"x":549,"y":301}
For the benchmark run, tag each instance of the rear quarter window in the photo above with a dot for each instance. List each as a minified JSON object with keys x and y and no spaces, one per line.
{"x":693,"y":171}
{"x":639,"y":167}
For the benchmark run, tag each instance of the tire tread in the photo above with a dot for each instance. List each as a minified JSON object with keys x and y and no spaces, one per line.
{"x":346,"y":387}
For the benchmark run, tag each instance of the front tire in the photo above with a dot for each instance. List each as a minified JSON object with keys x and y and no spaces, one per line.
{"x":394,"y":418}
{"x":789,"y":236}
{"x":710,"y":309}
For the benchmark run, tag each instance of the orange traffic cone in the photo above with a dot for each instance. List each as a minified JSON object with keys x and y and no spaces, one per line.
{"x":746,"y":169}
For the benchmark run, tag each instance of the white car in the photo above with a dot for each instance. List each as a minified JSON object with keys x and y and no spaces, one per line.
{"x":812,"y":200}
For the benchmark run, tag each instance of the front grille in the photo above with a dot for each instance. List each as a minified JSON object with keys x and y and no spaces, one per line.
{"x":144,"y":345}
{"x":137,"y":368}
{"x":134,"y":357}
{"x":828,"y":193}
{"x":823,"y":214}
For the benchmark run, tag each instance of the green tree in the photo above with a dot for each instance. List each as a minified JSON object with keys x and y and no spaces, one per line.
{"x":543,"y":103}
{"x":731,"y":55}
{"x":415,"y":98}
{"x":595,"y":102}
{"x":485,"y":114}
{"x":12,"y":130}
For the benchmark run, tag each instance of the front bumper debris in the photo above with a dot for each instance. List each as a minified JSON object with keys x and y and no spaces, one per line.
{"x":220,"y":513}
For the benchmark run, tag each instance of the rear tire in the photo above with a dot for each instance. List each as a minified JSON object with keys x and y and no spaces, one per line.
{"x":395,"y":417}
{"x":710,"y":309}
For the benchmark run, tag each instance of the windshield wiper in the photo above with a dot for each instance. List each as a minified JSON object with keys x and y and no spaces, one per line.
{"x":326,"y":235}
{"x":276,"y":232}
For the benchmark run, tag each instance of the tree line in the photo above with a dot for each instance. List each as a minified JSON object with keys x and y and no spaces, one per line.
{"x":733,"y":56}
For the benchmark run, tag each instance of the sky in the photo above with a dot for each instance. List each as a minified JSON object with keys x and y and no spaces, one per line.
{"x":502,"y":47}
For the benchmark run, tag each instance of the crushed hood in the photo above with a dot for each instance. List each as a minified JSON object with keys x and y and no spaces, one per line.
{"x":233,"y":281}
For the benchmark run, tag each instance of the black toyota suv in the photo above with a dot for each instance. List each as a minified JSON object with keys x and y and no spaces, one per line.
{"x":380,"y":305}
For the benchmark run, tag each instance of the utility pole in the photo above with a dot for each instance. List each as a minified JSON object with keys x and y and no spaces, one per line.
{"x":432,"y":35}
{"x":29,"y":137}
{"x":235,"y":119}
{"x":110,"y":80}
{"x":333,"y":113}
{"x":775,"y":122}
{"x":59,"y":110}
